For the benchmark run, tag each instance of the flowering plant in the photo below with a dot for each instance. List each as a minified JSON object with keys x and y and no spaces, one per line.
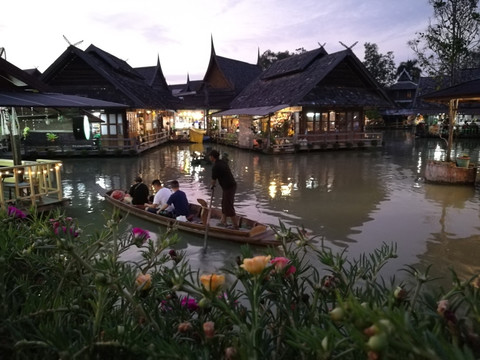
{"x":65,"y":297}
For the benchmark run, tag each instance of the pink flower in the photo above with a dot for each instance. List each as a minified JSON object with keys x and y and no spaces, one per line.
{"x":63,"y":230}
{"x":189,"y":303}
{"x":283,"y":264}
{"x":140,"y":236}
{"x":16,"y":213}
{"x":442,"y":306}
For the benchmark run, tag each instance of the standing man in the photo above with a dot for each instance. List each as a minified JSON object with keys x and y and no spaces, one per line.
{"x":139,"y":192}
{"x":161,"y":197}
{"x":221,"y":172}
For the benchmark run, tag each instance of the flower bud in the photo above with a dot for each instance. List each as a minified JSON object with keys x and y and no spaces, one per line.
{"x":377,"y":342}
{"x":337,"y":314}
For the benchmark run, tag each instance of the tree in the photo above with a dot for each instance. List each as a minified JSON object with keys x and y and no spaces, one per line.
{"x":451,"y":39}
{"x":269,"y":57}
{"x":411,"y":67}
{"x":381,"y":66}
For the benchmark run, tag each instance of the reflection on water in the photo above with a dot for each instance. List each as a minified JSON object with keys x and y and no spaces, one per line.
{"x":353,"y":199}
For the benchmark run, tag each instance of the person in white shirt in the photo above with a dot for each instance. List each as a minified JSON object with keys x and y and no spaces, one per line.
{"x":161,"y":197}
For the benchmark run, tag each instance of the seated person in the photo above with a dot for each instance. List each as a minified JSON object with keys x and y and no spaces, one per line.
{"x":179,"y":201}
{"x":161,"y":197}
{"x":139,"y":192}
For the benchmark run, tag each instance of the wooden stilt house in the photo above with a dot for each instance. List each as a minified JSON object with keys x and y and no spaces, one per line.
{"x":310,"y":100}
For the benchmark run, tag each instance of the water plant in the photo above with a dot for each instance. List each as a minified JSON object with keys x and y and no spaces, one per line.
{"x":65,"y":294}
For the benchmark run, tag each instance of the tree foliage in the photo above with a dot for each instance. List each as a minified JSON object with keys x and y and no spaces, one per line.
{"x":451,"y":39}
{"x":381,"y":66}
{"x":269,"y":57}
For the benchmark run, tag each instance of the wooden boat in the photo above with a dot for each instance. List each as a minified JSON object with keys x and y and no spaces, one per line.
{"x":249,"y":232}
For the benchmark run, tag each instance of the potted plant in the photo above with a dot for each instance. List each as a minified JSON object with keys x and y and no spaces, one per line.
{"x":463,"y":160}
{"x":51,"y":137}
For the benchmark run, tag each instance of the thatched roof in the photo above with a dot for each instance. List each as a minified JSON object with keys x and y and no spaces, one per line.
{"x":314,"y":78}
{"x":14,"y":79}
{"x":467,"y":91}
{"x":18,"y":88}
{"x":98,"y":74}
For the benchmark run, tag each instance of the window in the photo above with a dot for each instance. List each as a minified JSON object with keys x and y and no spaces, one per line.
{"x":112,"y":124}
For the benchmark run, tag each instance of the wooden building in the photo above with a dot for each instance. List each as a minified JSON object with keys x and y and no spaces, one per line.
{"x":224,"y":79}
{"x":310,"y":100}
{"x":37,"y":111}
{"x":97,"y":74}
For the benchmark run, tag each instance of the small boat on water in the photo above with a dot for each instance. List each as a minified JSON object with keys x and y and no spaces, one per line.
{"x":249,"y":232}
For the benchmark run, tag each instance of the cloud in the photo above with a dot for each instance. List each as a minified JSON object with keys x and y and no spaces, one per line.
{"x":179,"y":32}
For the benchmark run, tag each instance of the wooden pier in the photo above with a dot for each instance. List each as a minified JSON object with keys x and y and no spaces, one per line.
{"x":35,"y":184}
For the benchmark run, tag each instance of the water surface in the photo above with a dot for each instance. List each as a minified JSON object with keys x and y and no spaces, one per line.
{"x":354,"y":200}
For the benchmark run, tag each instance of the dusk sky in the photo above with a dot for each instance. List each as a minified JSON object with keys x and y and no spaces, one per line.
{"x":179,"y":32}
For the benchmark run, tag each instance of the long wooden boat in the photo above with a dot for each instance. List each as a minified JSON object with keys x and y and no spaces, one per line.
{"x":249,"y":232}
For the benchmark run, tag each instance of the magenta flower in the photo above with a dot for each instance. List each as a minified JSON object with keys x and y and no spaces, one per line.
{"x":189,"y":303}
{"x":283,"y":264}
{"x":140,"y":236}
{"x":63,"y":230}
{"x":16,"y":213}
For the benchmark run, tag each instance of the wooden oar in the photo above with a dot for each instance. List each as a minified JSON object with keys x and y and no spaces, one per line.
{"x":207,"y":223}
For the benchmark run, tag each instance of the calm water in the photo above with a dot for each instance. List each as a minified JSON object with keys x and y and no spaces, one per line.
{"x":352,"y":199}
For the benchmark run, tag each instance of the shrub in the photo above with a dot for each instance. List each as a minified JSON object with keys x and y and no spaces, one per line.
{"x":68,"y":295}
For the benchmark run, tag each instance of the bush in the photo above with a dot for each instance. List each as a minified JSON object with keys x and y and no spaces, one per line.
{"x":68,"y":295}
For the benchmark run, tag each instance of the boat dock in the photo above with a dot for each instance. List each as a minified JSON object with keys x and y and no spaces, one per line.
{"x":35,"y":184}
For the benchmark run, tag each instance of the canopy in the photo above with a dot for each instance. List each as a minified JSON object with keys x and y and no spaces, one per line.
{"x":466,"y":91}
{"x":53,"y":100}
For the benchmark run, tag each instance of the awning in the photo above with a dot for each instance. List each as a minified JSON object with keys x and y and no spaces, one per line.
{"x":259,"y":111}
{"x":54,"y":100}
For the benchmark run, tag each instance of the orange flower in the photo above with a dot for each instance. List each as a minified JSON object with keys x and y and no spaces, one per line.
{"x":256,"y":264}
{"x":144,"y":281}
{"x":212,"y":282}
{"x":209,"y":329}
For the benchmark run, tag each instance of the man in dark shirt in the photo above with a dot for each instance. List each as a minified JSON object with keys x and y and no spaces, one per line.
{"x":179,"y":201}
{"x":139,"y":192}
{"x":221,"y":172}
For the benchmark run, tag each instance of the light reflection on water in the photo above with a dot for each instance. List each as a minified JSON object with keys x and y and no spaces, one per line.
{"x":352,"y":199}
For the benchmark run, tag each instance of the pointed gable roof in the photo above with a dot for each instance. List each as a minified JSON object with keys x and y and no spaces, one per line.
{"x":236,"y":75}
{"x":404,"y":82}
{"x":314,"y":78}
{"x":19,"y":88}
{"x":154,"y":75}
{"x":98,"y":74}
{"x":14,"y":79}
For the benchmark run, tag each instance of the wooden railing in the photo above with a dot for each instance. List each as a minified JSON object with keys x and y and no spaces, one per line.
{"x":107,"y":145}
{"x":31,"y":182}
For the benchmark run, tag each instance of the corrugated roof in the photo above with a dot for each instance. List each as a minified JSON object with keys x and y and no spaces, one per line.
{"x":54,"y":100}
{"x":254,"y":111}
